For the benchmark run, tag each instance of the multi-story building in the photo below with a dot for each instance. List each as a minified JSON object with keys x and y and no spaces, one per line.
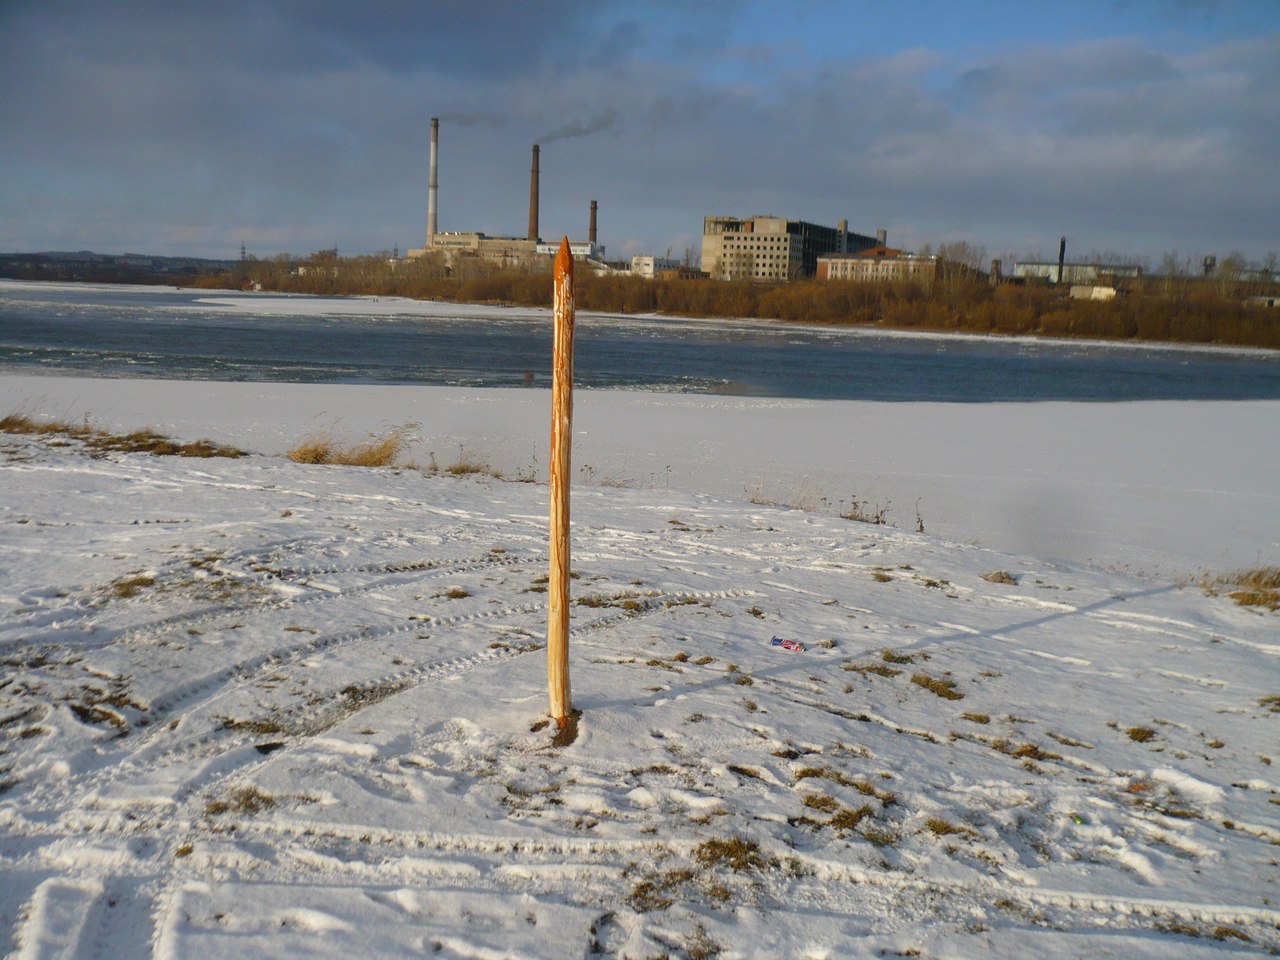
{"x":772,"y":248}
{"x":879,"y":263}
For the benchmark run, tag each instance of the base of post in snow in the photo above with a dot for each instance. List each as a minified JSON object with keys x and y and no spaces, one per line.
{"x":568,"y":731}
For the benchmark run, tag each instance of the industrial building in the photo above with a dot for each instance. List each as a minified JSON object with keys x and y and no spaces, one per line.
{"x":527,"y":252}
{"x":877,"y":264}
{"x":1088,"y":274}
{"x":773,"y":249}
{"x":649,"y":267}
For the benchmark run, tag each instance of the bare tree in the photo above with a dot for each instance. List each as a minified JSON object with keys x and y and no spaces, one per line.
{"x":1230,"y":271}
{"x":1270,"y":263}
{"x":958,"y":264}
{"x":1175,"y":270}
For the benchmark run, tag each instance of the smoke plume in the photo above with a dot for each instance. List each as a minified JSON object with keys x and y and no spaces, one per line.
{"x":581,"y":128}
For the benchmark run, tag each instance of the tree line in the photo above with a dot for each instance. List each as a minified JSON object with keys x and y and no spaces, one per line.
{"x":1178,"y":308}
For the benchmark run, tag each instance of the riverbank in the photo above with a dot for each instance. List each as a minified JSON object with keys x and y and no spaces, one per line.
{"x":1176,"y":309}
{"x":1170,"y":488}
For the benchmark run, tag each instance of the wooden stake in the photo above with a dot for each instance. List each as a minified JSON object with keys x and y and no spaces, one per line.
{"x":561,"y":442}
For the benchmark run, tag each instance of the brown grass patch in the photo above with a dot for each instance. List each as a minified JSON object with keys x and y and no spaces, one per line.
{"x":467,"y":465}
{"x":1024,"y":751}
{"x":627,"y":600}
{"x":821,"y":802}
{"x":101,"y":442}
{"x":377,"y":451}
{"x":944,"y":828}
{"x":1259,"y":587}
{"x":1140,"y":734}
{"x":737,"y":854}
{"x":943,"y":688}
{"x":131,"y":586}
{"x":848,"y":819}
{"x":246,"y":800}
{"x":879,"y":669}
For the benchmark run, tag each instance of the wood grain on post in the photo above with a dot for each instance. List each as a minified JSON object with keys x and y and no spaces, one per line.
{"x":561,"y":442}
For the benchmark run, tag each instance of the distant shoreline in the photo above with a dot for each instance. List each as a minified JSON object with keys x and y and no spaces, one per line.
{"x":215,"y":296}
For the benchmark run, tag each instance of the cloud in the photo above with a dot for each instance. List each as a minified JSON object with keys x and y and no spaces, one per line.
{"x":307,"y":125}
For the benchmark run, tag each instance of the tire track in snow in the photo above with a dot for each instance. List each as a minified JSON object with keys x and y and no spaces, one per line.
{"x":213,"y":741}
{"x":312,"y":719}
{"x":321,"y":594}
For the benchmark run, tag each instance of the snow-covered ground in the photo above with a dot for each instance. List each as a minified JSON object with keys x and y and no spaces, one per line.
{"x":251,"y":708}
{"x":1175,"y":488}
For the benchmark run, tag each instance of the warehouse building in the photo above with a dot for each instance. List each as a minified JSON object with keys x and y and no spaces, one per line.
{"x":1077,"y":273}
{"x":877,"y":264}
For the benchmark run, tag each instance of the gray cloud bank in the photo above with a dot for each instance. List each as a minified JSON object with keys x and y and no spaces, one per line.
{"x":185,"y":128}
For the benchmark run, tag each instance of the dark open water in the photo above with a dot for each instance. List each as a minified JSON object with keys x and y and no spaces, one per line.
{"x":163,"y":333}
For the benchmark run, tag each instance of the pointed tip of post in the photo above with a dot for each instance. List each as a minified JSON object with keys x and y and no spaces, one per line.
{"x":564,"y":260}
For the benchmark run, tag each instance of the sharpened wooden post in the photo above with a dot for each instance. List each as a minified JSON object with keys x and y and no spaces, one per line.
{"x":561,"y":442}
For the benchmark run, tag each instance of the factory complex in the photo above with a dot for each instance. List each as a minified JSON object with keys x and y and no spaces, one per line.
{"x":526,"y":252}
{"x":758,"y":249}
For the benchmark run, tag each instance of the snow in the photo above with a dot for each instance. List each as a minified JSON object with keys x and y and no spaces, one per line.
{"x":318,"y":729}
{"x":1173,"y":488}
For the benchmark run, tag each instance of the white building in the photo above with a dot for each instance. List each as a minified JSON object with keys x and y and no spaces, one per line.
{"x":1088,"y":274}
{"x":650,"y":267}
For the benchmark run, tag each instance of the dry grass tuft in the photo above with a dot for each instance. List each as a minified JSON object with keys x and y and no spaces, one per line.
{"x":467,"y":465}
{"x":247,"y":800}
{"x":131,"y":586}
{"x":821,"y":801}
{"x":1024,"y":751}
{"x":943,"y":688}
{"x":848,"y":819}
{"x":377,"y":451}
{"x":1140,"y":734}
{"x":628,"y":600}
{"x":737,"y":854}
{"x":860,"y":512}
{"x":943,"y":828}
{"x":1259,"y":587}
{"x":100,"y":442}
{"x":21,"y":424}
{"x":879,"y":669}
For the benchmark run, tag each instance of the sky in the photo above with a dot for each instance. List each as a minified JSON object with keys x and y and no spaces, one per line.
{"x":1132,"y":127}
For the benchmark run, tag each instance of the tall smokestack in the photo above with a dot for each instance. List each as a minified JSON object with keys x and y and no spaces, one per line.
{"x":432,"y":183}
{"x":533,"y":196}
{"x":1062,"y":257}
{"x":591,"y":230}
